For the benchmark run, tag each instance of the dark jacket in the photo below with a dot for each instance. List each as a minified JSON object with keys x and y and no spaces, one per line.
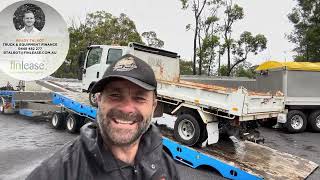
{"x":86,"y":159}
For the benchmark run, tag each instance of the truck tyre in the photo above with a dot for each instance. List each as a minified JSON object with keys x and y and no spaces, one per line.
{"x":296,"y":121}
{"x":314,"y":121}
{"x":93,"y":100}
{"x":74,"y":123}
{"x":187,"y":130}
{"x":58,"y":120}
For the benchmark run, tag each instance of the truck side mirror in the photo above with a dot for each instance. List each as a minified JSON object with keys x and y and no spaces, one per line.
{"x":81,"y":58}
{"x":79,"y":73}
{"x":83,"y":70}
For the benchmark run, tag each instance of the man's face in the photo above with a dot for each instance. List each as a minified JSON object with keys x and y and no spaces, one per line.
{"x":125,"y":111}
{"x":28,"y":19}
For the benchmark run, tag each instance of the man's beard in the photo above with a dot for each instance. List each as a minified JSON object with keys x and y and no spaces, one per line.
{"x":122,"y":137}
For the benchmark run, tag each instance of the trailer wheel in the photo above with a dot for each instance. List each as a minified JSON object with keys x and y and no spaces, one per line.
{"x":187,"y":129}
{"x":296,"y":121}
{"x":93,"y":100}
{"x":74,"y":123}
{"x":58,"y":120}
{"x":314,"y":120}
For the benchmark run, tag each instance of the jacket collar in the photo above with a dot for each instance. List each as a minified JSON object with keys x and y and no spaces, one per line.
{"x":148,"y":155}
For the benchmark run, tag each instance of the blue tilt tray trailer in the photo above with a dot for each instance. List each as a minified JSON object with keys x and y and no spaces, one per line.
{"x":243,"y":160}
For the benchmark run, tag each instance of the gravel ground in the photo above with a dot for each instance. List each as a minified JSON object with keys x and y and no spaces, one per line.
{"x":25,"y":142}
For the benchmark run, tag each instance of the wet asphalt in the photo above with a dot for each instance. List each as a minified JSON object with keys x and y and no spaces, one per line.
{"x":25,"y":142}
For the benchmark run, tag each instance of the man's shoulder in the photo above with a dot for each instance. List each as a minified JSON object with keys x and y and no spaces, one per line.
{"x":74,"y":148}
{"x":168,"y":160}
{"x":71,"y":160}
{"x":169,"y":166}
{"x":69,"y":149}
{"x":65,"y":153}
{"x":35,"y":30}
{"x":22,"y":30}
{"x":58,"y":162}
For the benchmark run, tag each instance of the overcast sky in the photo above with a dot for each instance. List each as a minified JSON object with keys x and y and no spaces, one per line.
{"x":168,"y":20}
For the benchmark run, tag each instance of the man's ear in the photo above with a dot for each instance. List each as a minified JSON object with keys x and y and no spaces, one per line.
{"x":155,"y":102}
{"x":98,"y":97}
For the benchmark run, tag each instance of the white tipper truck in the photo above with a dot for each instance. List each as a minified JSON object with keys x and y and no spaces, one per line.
{"x":202,"y":111}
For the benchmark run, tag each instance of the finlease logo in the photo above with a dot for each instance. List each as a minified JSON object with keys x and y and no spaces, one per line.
{"x":26,"y":66}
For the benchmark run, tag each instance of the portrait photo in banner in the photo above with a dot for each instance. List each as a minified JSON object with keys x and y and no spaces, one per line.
{"x":34,"y":40}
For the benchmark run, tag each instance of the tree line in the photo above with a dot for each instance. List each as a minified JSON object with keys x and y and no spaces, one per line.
{"x":101,"y":28}
{"x":213,"y":37}
{"x":305,"y":18}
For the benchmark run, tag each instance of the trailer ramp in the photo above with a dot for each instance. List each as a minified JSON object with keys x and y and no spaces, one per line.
{"x":242,"y":156}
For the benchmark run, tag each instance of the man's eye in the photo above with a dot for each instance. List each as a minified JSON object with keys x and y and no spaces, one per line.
{"x":139,"y":98}
{"x":114,"y":95}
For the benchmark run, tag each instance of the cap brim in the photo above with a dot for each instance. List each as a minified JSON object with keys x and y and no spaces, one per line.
{"x":99,"y":86}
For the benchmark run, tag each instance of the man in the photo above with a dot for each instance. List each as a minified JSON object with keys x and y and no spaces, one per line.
{"x":28,"y":20}
{"x":124,"y":144}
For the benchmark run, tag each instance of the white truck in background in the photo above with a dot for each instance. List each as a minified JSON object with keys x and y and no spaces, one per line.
{"x":300,"y":84}
{"x":203,"y":111}
{"x":298,"y":81}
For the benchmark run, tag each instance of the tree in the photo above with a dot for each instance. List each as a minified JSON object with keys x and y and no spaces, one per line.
{"x":98,"y":28}
{"x":233,"y":13}
{"x":198,"y":7}
{"x":185,"y":67}
{"x":152,"y":40}
{"x":207,"y":42}
{"x":243,"y":70}
{"x":223,"y":70}
{"x":238,"y":50}
{"x":245,"y":45}
{"x":306,"y":35}
{"x":207,"y":53}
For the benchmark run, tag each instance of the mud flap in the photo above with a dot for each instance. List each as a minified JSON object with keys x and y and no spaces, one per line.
{"x":282,"y":118}
{"x":213,"y":132}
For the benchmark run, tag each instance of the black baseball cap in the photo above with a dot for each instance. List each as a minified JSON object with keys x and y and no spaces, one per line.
{"x":131,"y":68}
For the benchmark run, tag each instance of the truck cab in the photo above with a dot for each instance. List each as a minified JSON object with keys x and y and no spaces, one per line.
{"x":98,"y":58}
{"x":165,"y":64}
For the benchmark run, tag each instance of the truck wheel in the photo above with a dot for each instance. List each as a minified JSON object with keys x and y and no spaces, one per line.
{"x":58,"y":120}
{"x":93,"y":100}
{"x":314,"y":120}
{"x":187,"y":130}
{"x":296,"y":121}
{"x":74,"y":123}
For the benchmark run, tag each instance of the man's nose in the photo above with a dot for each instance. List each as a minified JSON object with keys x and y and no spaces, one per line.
{"x":127,"y":105}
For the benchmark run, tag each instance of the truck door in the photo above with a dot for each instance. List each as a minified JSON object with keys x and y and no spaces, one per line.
{"x":91,"y":71}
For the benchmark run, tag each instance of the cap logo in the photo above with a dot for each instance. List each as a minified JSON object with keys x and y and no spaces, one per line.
{"x":125,"y":64}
